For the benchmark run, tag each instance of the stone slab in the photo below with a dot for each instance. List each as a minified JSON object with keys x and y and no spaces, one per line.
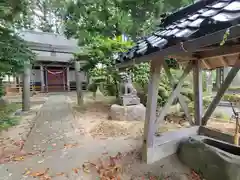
{"x":127,"y":113}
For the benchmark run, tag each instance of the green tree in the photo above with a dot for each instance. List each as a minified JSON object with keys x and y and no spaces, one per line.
{"x":102,"y":52}
{"x":13,"y":50}
{"x":45,"y":15}
{"x":86,"y":19}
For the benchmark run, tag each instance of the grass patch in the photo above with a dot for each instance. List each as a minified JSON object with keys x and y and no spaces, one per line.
{"x":6,"y":118}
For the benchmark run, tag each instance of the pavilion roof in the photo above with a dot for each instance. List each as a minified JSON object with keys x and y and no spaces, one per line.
{"x":189,"y":32}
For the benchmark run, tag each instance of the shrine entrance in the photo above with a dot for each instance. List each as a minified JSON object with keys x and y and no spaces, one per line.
{"x":56,"y":79}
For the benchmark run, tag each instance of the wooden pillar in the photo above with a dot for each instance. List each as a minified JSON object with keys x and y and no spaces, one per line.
{"x":78,"y":83}
{"x":151,"y":110}
{"x":218,"y":78}
{"x":209,"y":82}
{"x":68,"y":79}
{"x":26,"y":87}
{"x":231,"y":75}
{"x":42,"y":78}
{"x":46,"y":79}
{"x":198,"y":95}
{"x":64,"y":80}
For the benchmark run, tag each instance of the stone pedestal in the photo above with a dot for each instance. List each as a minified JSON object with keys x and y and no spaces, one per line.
{"x":127,"y":113}
{"x":128,"y":100}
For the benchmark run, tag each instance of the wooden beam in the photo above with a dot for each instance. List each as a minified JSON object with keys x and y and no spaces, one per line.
{"x":189,"y":46}
{"x":206,"y":63}
{"x":197,"y":88}
{"x":78,"y":83}
{"x":151,"y":109}
{"x":26,"y":87}
{"x":219,"y":51}
{"x":174,"y":93}
{"x":223,"y":61}
{"x":231,"y":75}
{"x":179,"y":96}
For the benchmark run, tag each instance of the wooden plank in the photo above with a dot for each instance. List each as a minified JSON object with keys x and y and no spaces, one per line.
{"x":216,"y":134}
{"x":26,"y":87}
{"x":179,"y":96}
{"x":174,"y":93}
{"x":149,"y":126}
{"x":189,"y":46}
{"x":219,"y":51}
{"x":167,"y":144}
{"x":198,"y":97}
{"x":231,"y":75}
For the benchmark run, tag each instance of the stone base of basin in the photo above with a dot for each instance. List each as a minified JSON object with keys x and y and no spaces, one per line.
{"x":213,"y":159}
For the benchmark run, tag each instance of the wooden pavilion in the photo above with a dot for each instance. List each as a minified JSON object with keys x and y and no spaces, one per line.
{"x":204,"y":35}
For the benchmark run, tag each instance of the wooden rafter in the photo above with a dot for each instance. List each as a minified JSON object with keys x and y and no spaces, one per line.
{"x":206,"y":63}
{"x":219,"y":52}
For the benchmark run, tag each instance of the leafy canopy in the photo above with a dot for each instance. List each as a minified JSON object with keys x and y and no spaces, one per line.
{"x":13,"y":50}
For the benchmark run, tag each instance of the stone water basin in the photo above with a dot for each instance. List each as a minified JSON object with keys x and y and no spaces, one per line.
{"x":211,"y":158}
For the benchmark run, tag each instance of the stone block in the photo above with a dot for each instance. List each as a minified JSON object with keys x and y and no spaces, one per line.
{"x":127,"y":100}
{"x":127,"y":113}
{"x":213,"y":159}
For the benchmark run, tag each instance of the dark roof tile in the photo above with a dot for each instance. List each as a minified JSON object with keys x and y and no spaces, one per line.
{"x":194,"y":17}
{"x":234,"y":6}
{"x":193,"y":21}
{"x":196,"y":23}
{"x":226,"y":16}
{"x":210,"y":12}
{"x":218,"y":5}
{"x":184,"y":33}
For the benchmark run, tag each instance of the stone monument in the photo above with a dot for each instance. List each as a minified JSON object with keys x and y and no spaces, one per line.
{"x":128,"y":92}
{"x":129,"y":108}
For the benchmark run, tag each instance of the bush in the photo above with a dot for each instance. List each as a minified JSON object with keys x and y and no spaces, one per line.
{"x":92,"y":87}
{"x":6,"y":119}
{"x":109,"y":89}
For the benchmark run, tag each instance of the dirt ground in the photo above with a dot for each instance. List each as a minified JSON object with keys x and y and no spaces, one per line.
{"x":12,"y":140}
{"x":93,"y":129}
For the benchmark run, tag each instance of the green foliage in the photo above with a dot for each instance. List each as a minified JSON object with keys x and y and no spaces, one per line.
{"x":101,"y":62}
{"x":6,"y":119}
{"x":87,"y":19}
{"x":231,"y":97}
{"x":13,"y":50}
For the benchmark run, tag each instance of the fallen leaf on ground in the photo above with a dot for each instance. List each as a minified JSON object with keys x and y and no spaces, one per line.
{"x":21,"y":158}
{"x":75,"y":170}
{"x":41,"y":161}
{"x":60,"y":174}
{"x":67,"y":146}
{"x":36,"y":174}
{"x":85,"y":169}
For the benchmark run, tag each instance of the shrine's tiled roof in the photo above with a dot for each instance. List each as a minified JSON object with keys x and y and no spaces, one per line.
{"x":196,"y":20}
